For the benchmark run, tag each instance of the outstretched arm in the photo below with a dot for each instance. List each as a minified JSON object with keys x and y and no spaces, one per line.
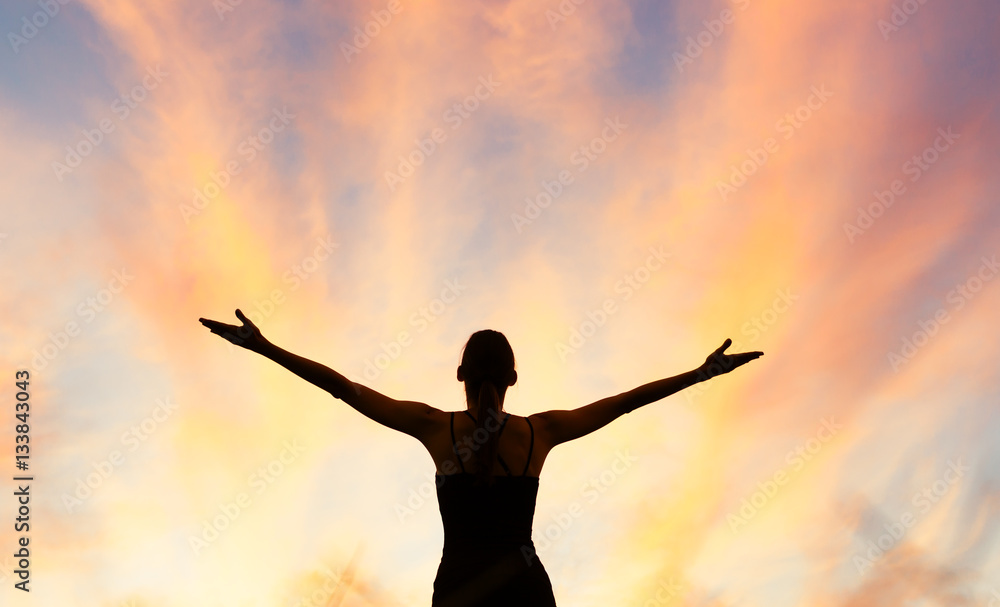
{"x":413,"y":418}
{"x":562,"y":426}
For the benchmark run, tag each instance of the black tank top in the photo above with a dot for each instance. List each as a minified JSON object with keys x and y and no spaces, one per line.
{"x":488,"y":558}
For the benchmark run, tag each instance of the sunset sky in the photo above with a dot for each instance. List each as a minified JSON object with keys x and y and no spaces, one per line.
{"x":618,"y":186}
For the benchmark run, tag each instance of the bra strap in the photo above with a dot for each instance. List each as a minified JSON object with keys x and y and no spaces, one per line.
{"x":454,"y":447}
{"x":531,"y":447}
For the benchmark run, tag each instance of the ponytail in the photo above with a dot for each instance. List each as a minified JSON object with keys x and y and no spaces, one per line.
{"x":489,"y":407}
{"x":487,"y":370}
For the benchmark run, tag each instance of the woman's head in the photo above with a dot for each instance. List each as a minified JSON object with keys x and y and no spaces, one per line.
{"x":487,"y":356}
{"x":488,"y":370}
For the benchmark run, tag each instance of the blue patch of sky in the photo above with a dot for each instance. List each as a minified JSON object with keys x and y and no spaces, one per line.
{"x":65,"y":62}
{"x":646,"y":64}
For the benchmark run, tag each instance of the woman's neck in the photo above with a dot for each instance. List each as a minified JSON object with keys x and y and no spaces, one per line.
{"x":473,"y":408}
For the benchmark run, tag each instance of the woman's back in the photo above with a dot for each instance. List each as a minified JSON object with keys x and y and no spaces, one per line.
{"x":519,"y":440}
{"x":488,"y":556}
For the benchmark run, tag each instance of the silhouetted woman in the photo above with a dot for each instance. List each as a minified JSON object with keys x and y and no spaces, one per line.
{"x":486,"y":486}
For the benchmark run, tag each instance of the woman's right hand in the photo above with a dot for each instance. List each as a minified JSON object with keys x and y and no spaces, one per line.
{"x":246,"y":336}
{"x":719,"y":362}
